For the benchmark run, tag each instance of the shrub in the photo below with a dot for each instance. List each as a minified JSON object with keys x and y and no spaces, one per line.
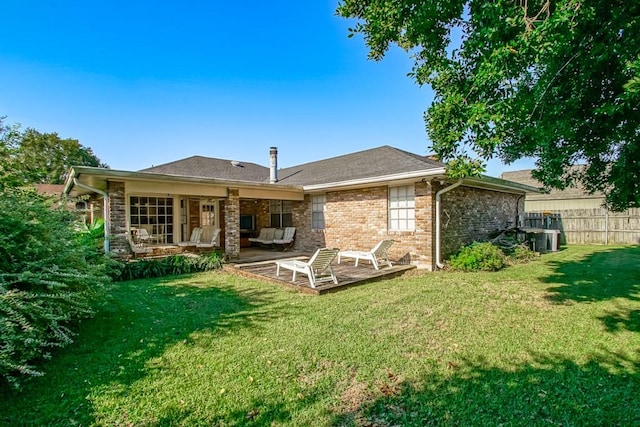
{"x":91,"y":234}
{"x":478,"y":256}
{"x":175,"y":264}
{"x":47,"y":280}
{"x":515,"y":250}
{"x":522,"y":253}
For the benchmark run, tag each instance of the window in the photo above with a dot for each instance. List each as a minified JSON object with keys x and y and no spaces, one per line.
{"x":82,"y":206}
{"x":402,"y":215}
{"x":280,"y":212}
{"x":207,"y":214}
{"x":84,"y":210}
{"x":155,"y":214}
{"x":318,"y":207}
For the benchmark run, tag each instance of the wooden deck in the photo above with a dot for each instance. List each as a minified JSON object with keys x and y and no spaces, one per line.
{"x":348,"y":275}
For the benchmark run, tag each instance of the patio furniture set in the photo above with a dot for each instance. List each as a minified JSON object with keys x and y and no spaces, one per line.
{"x":275,"y":238}
{"x":318,"y":269}
{"x":203,"y":237}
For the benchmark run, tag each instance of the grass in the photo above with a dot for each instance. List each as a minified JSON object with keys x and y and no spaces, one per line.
{"x":552,"y":342}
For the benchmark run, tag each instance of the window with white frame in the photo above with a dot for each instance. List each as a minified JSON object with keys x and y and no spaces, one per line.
{"x":281,"y":213}
{"x":155,"y":214}
{"x":318,"y":208}
{"x":402,"y":215}
{"x":207,"y":213}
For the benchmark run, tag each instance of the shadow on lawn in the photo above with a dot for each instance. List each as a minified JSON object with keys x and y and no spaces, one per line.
{"x":603,"y":275}
{"x":258,"y":414}
{"x":600,"y":276}
{"x":550,"y":391}
{"x":138,"y":323}
{"x":622,"y":320}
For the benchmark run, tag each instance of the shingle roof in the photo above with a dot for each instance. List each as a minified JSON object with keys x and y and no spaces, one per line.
{"x":50,"y":188}
{"x":208,"y":167}
{"x":374,"y":165}
{"x":524,"y":177}
{"x":375,"y":162}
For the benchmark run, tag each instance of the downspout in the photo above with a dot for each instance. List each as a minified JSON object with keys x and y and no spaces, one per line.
{"x":519,"y":223}
{"x":439,"y":263}
{"x":105,"y":210}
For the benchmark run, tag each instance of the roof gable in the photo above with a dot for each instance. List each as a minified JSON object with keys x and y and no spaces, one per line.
{"x":376,"y":162}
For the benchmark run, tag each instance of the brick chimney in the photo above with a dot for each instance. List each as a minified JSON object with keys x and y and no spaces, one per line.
{"x":273,"y":165}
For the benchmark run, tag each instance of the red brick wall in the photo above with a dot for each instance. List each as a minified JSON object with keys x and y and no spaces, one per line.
{"x":470,"y":214}
{"x":261,"y":211}
{"x":306,"y":238}
{"x":232,"y":224}
{"x":248,"y":207}
{"x":357,"y":219}
{"x":117,"y":218}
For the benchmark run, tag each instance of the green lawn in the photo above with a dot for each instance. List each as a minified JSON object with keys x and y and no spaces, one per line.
{"x":552,"y":342}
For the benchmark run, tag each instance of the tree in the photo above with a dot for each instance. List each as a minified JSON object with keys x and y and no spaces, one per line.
{"x":555,"y":80}
{"x":31,"y":157}
{"x":9,"y":141}
{"x":50,"y":277}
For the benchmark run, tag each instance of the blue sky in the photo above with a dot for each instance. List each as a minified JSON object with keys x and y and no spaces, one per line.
{"x":144,"y":83}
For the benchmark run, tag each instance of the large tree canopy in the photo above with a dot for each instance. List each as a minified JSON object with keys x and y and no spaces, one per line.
{"x":555,"y":80}
{"x":31,"y":157}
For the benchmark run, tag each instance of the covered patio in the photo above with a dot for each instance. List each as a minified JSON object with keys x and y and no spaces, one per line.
{"x":261,"y":264}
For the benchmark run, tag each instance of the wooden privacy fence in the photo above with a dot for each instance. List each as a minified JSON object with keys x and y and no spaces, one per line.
{"x":589,"y":225}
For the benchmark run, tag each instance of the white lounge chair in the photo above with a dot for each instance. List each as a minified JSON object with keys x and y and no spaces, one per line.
{"x":277,"y":235}
{"x":196,"y":233}
{"x":318,"y":269}
{"x":376,"y":256}
{"x":138,"y":248}
{"x":287,"y":239}
{"x":145,"y":237}
{"x":209,"y":237}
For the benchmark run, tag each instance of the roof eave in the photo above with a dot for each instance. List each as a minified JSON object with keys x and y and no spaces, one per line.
{"x":68,"y":183}
{"x":375,"y":180}
{"x":482,"y":181}
{"x":498,"y":184}
{"x":148,"y":176}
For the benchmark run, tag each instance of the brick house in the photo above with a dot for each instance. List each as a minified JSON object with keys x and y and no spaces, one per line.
{"x":350,"y":202}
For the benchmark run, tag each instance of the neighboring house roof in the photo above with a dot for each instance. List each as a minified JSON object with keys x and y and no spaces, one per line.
{"x":49,"y":189}
{"x":208,"y":167}
{"x":376,"y":162}
{"x":525,"y":177}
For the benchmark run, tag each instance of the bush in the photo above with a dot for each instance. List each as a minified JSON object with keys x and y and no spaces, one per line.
{"x":521,"y":253}
{"x":91,"y":234}
{"x":479,"y":256}
{"x":175,"y":264}
{"x":515,"y":250}
{"x":47,"y":280}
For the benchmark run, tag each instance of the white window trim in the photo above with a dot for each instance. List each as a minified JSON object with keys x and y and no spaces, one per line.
{"x":216,"y":211}
{"x":403,"y":213}
{"x":323,"y":212}
{"x":281,"y":210}
{"x":161,"y":236}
